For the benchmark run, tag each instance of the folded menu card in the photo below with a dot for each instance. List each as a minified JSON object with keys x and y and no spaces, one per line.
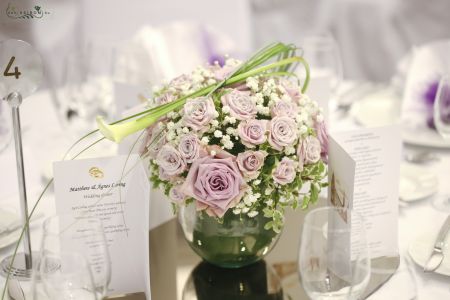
{"x":364,"y":171}
{"x":115,"y":190}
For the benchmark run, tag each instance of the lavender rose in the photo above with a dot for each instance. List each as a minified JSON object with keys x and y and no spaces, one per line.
{"x":165,"y":98}
{"x":250,"y":162}
{"x":176,"y":194}
{"x":190,"y":148}
{"x":241,"y":105}
{"x":282,"y":132}
{"x":252,"y":132}
{"x":154,"y":140}
{"x":285,"y":171}
{"x":180,"y":83}
{"x":215,"y":183}
{"x":198,"y":113}
{"x":170,"y":161}
{"x":309,"y":150}
{"x":322,"y":136}
{"x":284,"y":108}
{"x":291,"y":89}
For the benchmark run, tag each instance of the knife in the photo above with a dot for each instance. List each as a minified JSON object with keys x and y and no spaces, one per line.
{"x":437,"y":256}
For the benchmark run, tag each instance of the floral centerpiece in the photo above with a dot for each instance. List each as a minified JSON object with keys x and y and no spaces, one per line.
{"x":237,"y":144}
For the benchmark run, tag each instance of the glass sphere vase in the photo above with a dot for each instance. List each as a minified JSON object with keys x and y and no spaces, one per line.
{"x":231,"y":242}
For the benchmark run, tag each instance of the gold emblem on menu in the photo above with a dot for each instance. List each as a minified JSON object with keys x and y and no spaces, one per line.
{"x":96,"y":172}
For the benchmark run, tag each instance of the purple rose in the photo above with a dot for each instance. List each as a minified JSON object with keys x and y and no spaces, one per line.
{"x":309,"y":150}
{"x":241,"y":105}
{"x":250,"y":162}
{"x":284,"y":108}
{"x":291,"y":89}
{"x":252,"y":132}
{"x":176,"y":194}
{"x":180,"y":83}
{"x":165,"y":98}
{"x":170,"y":161}
{"x":154,"y":140}
{"x":215,"y":183}
{"x":285,"y":171}
{"x":198,"y":113}
{"x":190,"y":147}
{"x":322,"y":136}
{"x":283,"y":132}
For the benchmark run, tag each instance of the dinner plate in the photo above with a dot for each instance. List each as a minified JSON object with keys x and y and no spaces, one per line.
{"x":7,"y":239}
{"x":420,"y":135}
{"x":379,"y":108}
{"x":416,"y":183}
{"x":420,"y":250}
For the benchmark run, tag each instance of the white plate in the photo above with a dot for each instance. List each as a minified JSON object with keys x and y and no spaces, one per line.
{"x":12,"y":237}
{"x":420,"y":250}
{"x":377,"y":109}
{"x":416,"y":183}
{"x":423,"y":136}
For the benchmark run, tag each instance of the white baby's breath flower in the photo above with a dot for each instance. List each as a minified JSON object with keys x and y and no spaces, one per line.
{"x":303,"y":129}
{"x":319,"y":118}
{"x":269,"y":202}
{"x":252,"y":214}
{"x":213,"y":153}
{"x":170,"y":125}
{"x":185,"y":130}
{"x":256,"y":182}
{"x":274,"y":97}
{"x":226,"y":109}
{"x":211,"y":81}
{"x":215,"y":114}
{"x":218,"y":133}
{"x":236,"y":211}
{"x":245,"y":210}
{"x":288,"y":150}
{"x":268,"y":191}
{"x":231,"y":131}
{"x":205,"y":140}
{"x":215,"y":123}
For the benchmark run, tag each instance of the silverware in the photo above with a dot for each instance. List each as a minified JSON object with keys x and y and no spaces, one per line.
{"x":437,"y":256}
{"x":18,"y":224}
{"x":420,"y":157}
{"x":15,"y":291}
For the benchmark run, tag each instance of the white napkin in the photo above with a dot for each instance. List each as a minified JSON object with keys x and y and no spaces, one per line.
{"x":428,"y":63}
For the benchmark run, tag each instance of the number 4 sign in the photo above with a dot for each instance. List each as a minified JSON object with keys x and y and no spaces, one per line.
{"x":8,"y":67}
{"x":21,"y":68}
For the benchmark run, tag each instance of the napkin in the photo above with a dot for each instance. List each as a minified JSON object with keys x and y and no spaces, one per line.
{"x":427,"y":64}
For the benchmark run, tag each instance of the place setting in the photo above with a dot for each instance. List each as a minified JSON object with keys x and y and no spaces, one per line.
{"x":203,"y":167}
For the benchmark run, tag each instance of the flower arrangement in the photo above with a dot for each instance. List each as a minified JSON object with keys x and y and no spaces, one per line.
{"x":235,"y":137}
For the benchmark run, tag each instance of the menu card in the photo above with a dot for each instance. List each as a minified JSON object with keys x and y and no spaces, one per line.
{"x":115,"y":190}
{"x":370,"y":186}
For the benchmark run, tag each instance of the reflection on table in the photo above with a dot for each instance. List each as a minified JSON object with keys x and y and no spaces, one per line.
{"x":257,"y":281}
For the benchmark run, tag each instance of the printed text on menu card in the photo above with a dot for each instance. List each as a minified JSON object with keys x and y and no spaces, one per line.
{"x":102,"y":188}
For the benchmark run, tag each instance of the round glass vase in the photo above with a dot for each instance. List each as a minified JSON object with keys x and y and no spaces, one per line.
{"x":232,"y":242}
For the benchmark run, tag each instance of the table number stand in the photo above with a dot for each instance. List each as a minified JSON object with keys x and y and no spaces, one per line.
{"x":22,"y":73}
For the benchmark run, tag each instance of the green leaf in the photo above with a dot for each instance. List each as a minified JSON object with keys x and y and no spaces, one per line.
{"x":268,"y":225}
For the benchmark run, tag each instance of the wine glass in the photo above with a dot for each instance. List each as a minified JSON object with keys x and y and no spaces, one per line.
{"x":334,"y":261}
{"x":442,"y":107}
{"x":66,"y":276}
{"x":5,"y":125}
{"x":324,"y":58}
{"x":82,"y":235}
{"x":441,"y":118}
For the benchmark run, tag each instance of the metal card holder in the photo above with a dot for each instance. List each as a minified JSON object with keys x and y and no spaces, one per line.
{"x":22,"y":73}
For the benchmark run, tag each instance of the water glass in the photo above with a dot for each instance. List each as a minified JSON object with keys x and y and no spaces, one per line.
{"x":334,"y":261}
{"x":81,"y":235}
{"x":66,"y":276}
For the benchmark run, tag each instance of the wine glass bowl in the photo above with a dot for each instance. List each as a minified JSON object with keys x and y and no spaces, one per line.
{"x":442,"y":107}
{"x":81,"y":235}
{"x":334,"y":261}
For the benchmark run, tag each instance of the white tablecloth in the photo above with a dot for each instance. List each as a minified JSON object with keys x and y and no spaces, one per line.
{"x":45,"y":141}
